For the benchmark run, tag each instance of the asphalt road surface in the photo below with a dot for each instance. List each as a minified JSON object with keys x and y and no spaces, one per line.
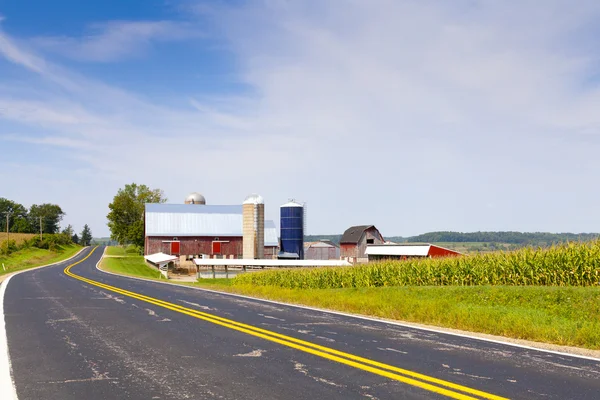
{"x":84,"y":334}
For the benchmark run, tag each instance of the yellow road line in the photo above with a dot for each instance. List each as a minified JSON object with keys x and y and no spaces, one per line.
{"x":312,"y":348}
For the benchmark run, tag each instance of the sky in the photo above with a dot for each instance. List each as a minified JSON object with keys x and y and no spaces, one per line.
{"x":412,"y":115}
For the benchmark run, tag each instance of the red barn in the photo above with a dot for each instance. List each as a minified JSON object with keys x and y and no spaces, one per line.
{"x":355,"y":240}
{"x":405,"y":251}
{"x":198,"y":229}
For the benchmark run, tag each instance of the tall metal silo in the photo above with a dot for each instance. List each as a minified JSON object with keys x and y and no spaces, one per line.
{"x":292,"y":228}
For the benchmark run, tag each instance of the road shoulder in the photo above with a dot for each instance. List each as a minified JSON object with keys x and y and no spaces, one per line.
{"x":520,"y":343}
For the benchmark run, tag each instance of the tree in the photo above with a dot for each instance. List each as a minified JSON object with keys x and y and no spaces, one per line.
{"x":126,"y":216}
{"x":75,"y":239}
{"x":68,"y":230}
{"x":86,"y":236}
{"x":16,"y":213}
{"x":51,"y":215}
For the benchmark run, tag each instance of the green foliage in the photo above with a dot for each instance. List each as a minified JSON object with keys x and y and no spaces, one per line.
{"x":29,"y":257}
{"x":75,"y":238}
{"x":572,"y":264}
{"x":130,"y":250}
{"x":520,"y":238}
{"x":7,"y":247}
{"x":17,"y":213}
{"x":494,"y":240}
{"x":132,"y":265}
{"x":567,"y":316}
{"x":51,"y":215}
{"x":86,"y":236}
{"x":126,"y":216}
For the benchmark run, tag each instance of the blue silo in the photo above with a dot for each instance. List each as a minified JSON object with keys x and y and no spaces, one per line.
{"x":292,"y":229}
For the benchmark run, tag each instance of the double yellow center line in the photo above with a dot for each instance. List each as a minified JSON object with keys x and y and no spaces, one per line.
{"x":408,"y":377}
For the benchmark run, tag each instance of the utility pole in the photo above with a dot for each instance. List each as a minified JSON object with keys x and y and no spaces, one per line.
{"x":41,"y":230}
{"x":8,"y":214}
{"x":7,"y":232}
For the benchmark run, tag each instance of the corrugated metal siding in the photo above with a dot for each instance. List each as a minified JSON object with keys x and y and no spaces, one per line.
{"x":193,"y":224}
{"x":271,"y":237}
{"x":184,"y":220}
{"x":401,"y":250}
{"x":436,"y":251}
{"x":322,"y":253}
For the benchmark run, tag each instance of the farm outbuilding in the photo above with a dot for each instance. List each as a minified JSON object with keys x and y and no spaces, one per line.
{"x":196,"y":229}
{"x":322,"y":250}
{"x":355,"y":240}
{"x":406,"y":251}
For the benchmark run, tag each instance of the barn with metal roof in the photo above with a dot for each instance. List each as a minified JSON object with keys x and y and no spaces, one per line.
{"x":196,"y":229}
{"x":355,"y":239}
{"x":404,"y":251}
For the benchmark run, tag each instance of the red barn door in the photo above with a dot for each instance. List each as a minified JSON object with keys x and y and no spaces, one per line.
{"x":175,"y":248}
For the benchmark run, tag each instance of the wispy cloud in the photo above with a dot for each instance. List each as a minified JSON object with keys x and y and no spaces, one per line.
{"x":118,"y":40}
{"x":411,"y":115}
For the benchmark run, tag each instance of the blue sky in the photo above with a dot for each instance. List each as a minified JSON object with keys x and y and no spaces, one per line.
{"x":410,"y":115}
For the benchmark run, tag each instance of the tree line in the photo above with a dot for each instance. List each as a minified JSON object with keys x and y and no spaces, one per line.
{"x":519,"y":239}
{"x":39,"y":218}
{"x":22,"y":220}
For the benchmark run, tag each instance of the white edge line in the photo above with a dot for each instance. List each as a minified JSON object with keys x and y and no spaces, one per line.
{"x":7,"y":383}
{"x":404,"y":325}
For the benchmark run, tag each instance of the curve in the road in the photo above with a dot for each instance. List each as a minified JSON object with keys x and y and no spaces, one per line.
{"x":412,"y":378}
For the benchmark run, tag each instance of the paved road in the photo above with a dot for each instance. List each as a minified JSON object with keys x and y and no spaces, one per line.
{"x":75,"y":339}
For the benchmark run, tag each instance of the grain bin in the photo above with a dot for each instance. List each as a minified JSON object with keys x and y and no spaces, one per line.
{"x":292,"y":228}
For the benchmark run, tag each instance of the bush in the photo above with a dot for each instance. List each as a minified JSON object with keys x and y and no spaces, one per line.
{"x":8,"y":247}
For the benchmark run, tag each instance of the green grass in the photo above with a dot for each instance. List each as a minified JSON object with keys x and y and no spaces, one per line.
{"x":567,"y":316}
{"x":122,"y":251}
{"x":572,"y":264}
{"x":558,"y":315}
{"x":132,"y":266}
{"x":34,"y":257}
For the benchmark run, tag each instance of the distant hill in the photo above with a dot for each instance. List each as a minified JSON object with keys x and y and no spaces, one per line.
{"x":515,"y":239}
{"x":315,"y":238}
{"x":519,"y":238}
{"x":104,"y":241}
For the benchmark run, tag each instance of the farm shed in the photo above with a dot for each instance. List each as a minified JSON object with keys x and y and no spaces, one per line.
{"x":198,"y":229}
{"x":355,"y":240}
{"x":322,"y":250}
{"x":407,"y":250}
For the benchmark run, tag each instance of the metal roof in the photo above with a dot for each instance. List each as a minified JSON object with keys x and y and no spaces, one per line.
{"x":192,"y":208}
{"x":412,"y":250}
{"x":200,"y":220}
{"x":207,"y":262}
{"x":354,"y":233}
{"x":292,"y":204}
{"x":321,"y":244}
{"x":160,"y":258}
{"x":254,"y":199}
{"x":271,"y":238}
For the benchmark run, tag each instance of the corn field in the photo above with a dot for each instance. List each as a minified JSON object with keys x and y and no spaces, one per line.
{"x":571,"y":264}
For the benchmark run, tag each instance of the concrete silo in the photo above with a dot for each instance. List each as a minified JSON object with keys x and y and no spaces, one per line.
{"x":253,"y":216}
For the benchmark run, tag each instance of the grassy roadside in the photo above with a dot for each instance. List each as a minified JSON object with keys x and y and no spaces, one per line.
{"x":34,"y":257}
{"x":568,"y":316}
{"x":130,"y":265}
